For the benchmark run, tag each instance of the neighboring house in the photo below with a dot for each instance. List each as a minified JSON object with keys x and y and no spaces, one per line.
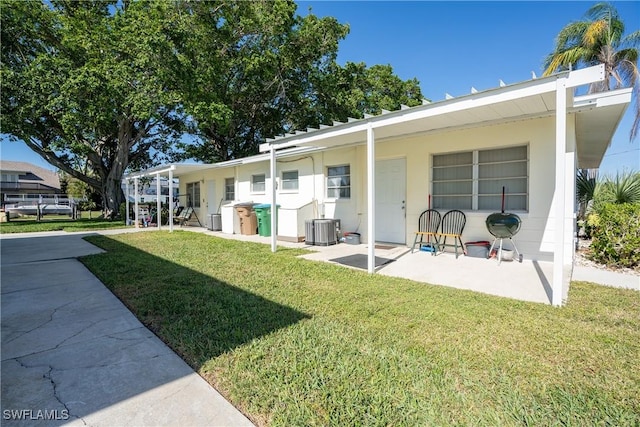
{"x":24,"y":182}
{"x":378,"y":174}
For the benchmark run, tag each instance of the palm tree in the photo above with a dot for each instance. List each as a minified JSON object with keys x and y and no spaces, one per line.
{"x":599,"y":39}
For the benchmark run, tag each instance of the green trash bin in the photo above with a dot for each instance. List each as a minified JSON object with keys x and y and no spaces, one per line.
{"x":263,"y":212}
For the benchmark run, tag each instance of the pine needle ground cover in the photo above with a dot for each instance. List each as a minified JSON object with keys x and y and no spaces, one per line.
{"x":295,"y":342}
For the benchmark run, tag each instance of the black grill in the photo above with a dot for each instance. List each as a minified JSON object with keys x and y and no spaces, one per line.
{"x":503,"y":225}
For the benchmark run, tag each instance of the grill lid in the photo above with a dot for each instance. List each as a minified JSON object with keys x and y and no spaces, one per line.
{"x":503,"y":225}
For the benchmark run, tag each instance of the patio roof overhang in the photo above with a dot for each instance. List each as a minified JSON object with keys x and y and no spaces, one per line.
{"x":597,"y":118}
{"x":179,"y":169}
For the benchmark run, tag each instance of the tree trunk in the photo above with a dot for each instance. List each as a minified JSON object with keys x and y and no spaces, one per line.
{"x":112,"y":194}
{"x":112,"y":197}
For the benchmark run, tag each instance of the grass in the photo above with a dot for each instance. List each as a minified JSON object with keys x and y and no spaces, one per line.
{"x":28,"y":224}
{"x":294,"y":342}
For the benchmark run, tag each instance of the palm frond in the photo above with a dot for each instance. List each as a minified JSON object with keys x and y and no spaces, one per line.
{"x":602,"y":10}
{"x":596,"y":34}
{"x":632,"y":40}
{"x":570,"y":35}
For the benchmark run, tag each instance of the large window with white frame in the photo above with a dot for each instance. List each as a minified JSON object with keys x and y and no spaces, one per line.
{"x":258,"y":183}
{"x":339,"y":182}
{"x":193,"y":194}
{"x":229,"y":189}
{"x":289,"y":181}
{"x":473,"y":180}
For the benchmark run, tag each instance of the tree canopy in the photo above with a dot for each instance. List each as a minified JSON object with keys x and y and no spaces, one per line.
{"x":599,"y":39}
{"x":85,"y":85}
{"x":99,"y":87}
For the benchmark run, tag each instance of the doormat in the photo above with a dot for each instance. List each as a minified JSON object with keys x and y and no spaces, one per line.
{"x":384,"y":247}
{"x":360,"y":261}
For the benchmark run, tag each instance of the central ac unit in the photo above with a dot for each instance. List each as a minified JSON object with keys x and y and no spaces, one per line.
{"x":309,"y":237}
{"x":321,"y":232}
{"x":325,"y":232}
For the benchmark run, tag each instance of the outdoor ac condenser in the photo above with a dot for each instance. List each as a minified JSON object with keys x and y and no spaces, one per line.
{"x":309,"y":233}
{"x":325,"y":232}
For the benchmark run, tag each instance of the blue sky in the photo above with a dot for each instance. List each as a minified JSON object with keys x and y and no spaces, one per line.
{"x":451,"y":46}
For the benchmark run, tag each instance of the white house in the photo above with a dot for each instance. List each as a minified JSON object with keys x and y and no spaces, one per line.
{"x":377,"y":174}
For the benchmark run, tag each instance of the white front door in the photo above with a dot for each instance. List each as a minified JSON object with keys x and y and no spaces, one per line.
{"x":212,"y":203}
{"x":391,"y":186}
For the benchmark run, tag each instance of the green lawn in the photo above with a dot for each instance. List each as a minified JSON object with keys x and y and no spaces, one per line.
{"x":58,"y":222}
{"x":293,"y":342}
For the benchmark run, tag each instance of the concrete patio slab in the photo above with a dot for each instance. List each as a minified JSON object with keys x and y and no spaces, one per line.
{"x":526,"y":281}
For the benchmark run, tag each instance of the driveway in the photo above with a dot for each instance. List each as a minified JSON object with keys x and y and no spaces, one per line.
{"x":72,"y":354}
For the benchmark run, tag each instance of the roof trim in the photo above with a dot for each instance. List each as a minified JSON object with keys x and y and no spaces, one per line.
{"x":475,"y":99}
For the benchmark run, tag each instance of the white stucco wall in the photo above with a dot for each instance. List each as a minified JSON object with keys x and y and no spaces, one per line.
{"x":535,"y":239}
{"x":537,"y":235}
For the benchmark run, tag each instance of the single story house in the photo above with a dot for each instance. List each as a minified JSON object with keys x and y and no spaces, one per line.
{"x":377,"y":174}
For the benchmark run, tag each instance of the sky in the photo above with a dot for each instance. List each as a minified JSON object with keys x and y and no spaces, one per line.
{"x":453,"y":46}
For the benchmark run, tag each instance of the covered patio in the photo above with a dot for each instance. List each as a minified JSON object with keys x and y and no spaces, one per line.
{"x":552,"y":96}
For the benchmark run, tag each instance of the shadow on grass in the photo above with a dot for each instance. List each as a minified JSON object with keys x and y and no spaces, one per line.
{"x":199,"y":316}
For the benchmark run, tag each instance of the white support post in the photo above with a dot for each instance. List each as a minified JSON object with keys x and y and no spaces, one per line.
{"x":126,"y":215}
{"x":137,"y":212}
{"x":170,"y":200}
{"x":371,"y":203}
{"x":158,"y":201}
{"x":559,"y":195}
{"x":274,"y":208}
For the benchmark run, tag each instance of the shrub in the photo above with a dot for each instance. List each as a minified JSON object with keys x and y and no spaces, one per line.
{"x":590,"y":224}
{"x":616,"y":238}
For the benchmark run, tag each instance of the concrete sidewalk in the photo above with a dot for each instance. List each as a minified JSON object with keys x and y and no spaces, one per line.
{"x":72,"y":354}
{"x":606,"y":278}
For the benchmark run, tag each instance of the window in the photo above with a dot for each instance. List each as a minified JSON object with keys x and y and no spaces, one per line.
{"x":339,"y":182}
{"x":473,"y":180}
{"x":193,"y":194}
{"x":229,"y":189}
{"x":257,"y":183}
{"x":290,"y":181}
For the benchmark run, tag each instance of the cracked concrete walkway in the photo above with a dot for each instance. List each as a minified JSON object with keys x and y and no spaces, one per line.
{"x":72,"y":354}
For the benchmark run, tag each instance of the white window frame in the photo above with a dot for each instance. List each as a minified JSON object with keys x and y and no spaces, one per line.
{"x":339,"y":187}
{"x":254,"y":182}
{"x":227,"y":193}
{"x":294,"y":182}
{"x":476,"y":181}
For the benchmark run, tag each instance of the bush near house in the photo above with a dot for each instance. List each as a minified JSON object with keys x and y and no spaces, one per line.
{"x":616,"y":237}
